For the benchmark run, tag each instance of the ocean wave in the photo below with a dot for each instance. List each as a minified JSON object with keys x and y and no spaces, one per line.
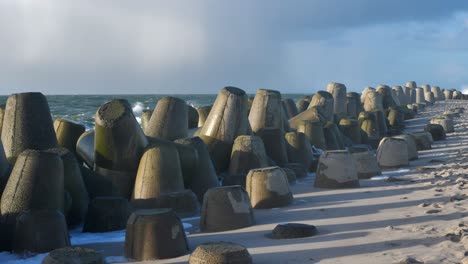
{"x":138,"y":108}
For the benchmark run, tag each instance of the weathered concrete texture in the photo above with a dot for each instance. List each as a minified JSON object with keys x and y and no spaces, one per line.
{"x":228,"y":117}
{"x":302,"y":105}
{"x":423,"y":140}
{"x":299,"y":170}
{"x":118,"y":145}
{"x":268,"y":188}
{"x":353,"y":104}
{"x":448,"y":94}
{"x":313,"y":130}
{"x":381,"y":123}
{"x":40,"y":231}
{"x":85,"y":148}
{"x":396,"y":118}
{"x":299,"y":149}
{"x":368,"y":124}
{"x":290,"y":175}
{"x":27,"y":124}
{"x":400,"y":94}
{"x":192,"y":117}
{"x":411,"y":144}
{"x":2,"y":115}
{"x":184,"y":203}
{"x":220,"y":153}
{"x":429,"y":97}
{"x":285,"y":127}
{"x":411,"y":84}
{"x":446,"y":123}
{"x":189,"y":160}
{"x":74,"y":255}
{"x":266,"y":111}
{"x":159,"y":171}
{"x":372,"y":100}
{"x":293,"y":230}
{"x":275,"y":144}
{"x":67,"y":133}
{"x":426,"y":88}
{"x":169,"y":119}
{"x":351,"y":129}
{"x":420,"y":95}
{"x":36,"y":182}
{"x":155,"y":234}
{"x":220,"y":253}
{"x":290,"y":107}
{"x":203,"y":113}
{"x":5,"y":169}
{"x":106,"y":214}
{"x":203,"y":177}
{"x":392,"y":153}
{"x":338,"y":91}
{"x":366,"y":162}
{"x":333,"y":138}
{"x":388,"y":99}
{"x":336,"y":169}
{"x":97,"y":185}
{"x":74,"y":185}
{"x":325,"y":105}
{"x":247,"y":153}
{"x":437,"y":131}
{"x":226,"y":208}
{"x":311,"y":114}
{"x":145,"y":118}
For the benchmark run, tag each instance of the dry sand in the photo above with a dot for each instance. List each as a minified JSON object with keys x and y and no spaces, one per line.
{"x":419,"y":215}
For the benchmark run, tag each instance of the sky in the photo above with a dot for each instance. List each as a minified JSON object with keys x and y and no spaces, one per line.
{"x":200,"y":46}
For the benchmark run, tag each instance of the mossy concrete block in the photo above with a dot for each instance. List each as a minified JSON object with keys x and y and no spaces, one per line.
{"x":40,"y":231}
{"x":226,"y":208}
{"x":85,"y":148}
{"x":155,"y":234}
{"x":169,"y":119}
{"x":106,"y":214}
{"x":220,"y":253}
{"x":313,"y":130}
{"x":437,"y":131}
{"x":293,"y":230}
{"x":67,"y":133}
{"x":302,"y":105}
{"x":423,"y":140}
{"x":74,"y":255}
{"x":27,"y":124}
{"x":336,"y":169}
{"x":268,"y":188}
{"x":299,"y":149}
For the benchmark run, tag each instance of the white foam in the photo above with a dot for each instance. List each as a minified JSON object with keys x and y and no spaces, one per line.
{"x":138,"y":108}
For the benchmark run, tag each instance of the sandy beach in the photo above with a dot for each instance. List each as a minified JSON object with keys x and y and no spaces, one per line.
{"x":413,"y":213}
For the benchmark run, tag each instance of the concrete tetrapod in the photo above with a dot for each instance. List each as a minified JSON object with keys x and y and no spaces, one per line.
{"x":392,"y":153}
{"x":445,"y":122}
{"x":372,"y":100}
{"x":368,"y":123}
{"x":192,"y":117}
{"x":67,"y":133}
{"x":311,"y":114}
{"x":145,"y":118}
{"x":275,"y":144}
{"x":353,"y":104}
{"x":437,"y":131}
{"x":36,"y":182}
{"x":220,"y":253}
{"x":299,"y":149}
{"x":85,"y":148}
{"x":155,"y":234}
{"x":220,"y":153}
{"x":266,"y":111}
{"x":423,"y":140}
{"x":420,"y":96}
{"x":248,"y":153}
{"x":189,"y":160}
{"x":290,"y":107}
{"x":27,"y":124}
{"x":106,"y":214}
{"x":366,"y":162}
{"x":313,"y":130}
{"x":74,"y":255}
{"x":169,"y":119}
{"x":204,"y":176}
{"x":184,"y":203}
{"x":40,"y":231}
{"x":338,"y":91}
{"x":2,"y":115}
{"x":396,"y":118}
{"x":388,"y":99}
{"x":333,"y":136}
{"x":299,"y":170}
{"x":226,"y":208}
{"x":268,"y":188}
{"x":411,"y":144}
{"x":4,"y":169}
{"x":350,"y":128}
{"x":203,"y":113}
{"x":118,"y":145}
{"x":325,"y":105}
{"x":302,"y":105}
{"x":336,"y":169}
{"x":74,"y":185}
{"x":290,"y":175}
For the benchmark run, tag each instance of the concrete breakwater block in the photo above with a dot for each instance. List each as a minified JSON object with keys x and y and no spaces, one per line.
{"x":85,"y":148}
{"x":396,"y":118}
{"x":293,"y":230}
{"x":289,"y":107}
{"x":381,"y":123}
{"x":411,"y":144}
{"x":423,"y":140}
{"x":437,"y":131}
{"x":106,"y":214}
{"x":368,"y":124}
{"x":313,"y":130}
{"x":220,"y":153}
{"x":203,"y":177}
{"x":5,"y":168}
{"x":420,"y":96}
{"x":118,"y":145}
{"x":189,"y":159}
{"x":392,"y":153}
{"x":67,"y":133}
{"x":169,"y":119}
{"x":366,"y":162}
{"x":275,"y":144}
{"x":351,"y":129}
{"x":388,"y":99}
{"x":184,"y":203}
{"x":353,"y":104}
{"x":302,"y":105}
{"x":159,"y":171}
{"x":299,"y":149}
{"x":333,"y":138}
{"x":336,"y":169}
{"x":248,"y":152}
{"x":192,"y":117}
{"x":446,"y":123}
{"x":74,"y":255}
{"x":371,"y":100}
{"x":74,"y":185}
{"x":220,"y":253}
{"x":299,"y":170}
{"x":312,"y":113}
{"x":27,"y":124}
{"x":40,"y":231}
{"x":145,"y":118}
{"x":203,"y":113}
{"x":155,"y":234}
{"x":2,"y":115}
{"x":36,"y":182}
{"x":268,"y":188}
{"x":325,"y":105}
{"x":338,"y":91}
{"x":226,"y":208}
{"x":290,"y":175}
{"x":266,"y":110}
